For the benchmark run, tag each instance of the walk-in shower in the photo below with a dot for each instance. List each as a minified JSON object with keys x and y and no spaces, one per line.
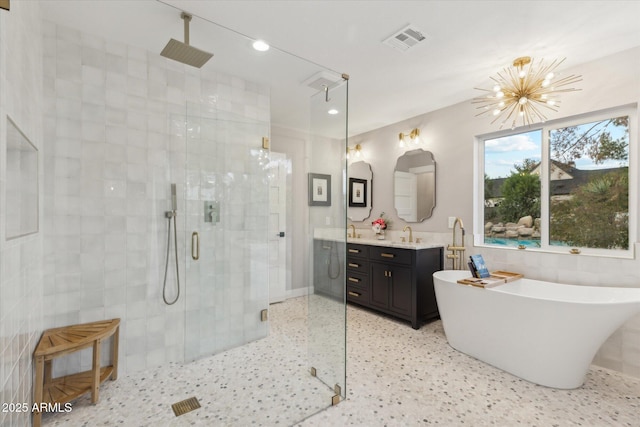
{"x":171,"y":215}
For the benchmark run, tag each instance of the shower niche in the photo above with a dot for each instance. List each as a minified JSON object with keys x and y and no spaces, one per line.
{"x":22,"y":184}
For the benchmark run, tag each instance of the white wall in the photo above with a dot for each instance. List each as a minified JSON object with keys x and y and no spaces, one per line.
{"x":450,"y":134}
{"x":21,"y":260}
{"x":293,"y":144}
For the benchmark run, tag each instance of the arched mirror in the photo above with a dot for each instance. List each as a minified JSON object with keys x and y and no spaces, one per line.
{"x":359,"y":188}
{"x":414,"y":185}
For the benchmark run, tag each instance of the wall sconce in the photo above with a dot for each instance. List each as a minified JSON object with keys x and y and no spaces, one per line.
{"x":414,"y":138}
{"x":357,"y":151}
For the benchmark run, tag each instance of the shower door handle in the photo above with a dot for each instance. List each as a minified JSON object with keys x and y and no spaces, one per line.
{"x":195,"y":245}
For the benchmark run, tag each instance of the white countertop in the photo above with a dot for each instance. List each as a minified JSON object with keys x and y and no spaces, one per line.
{"x":393,"y":243}
{"x":392,"y":239}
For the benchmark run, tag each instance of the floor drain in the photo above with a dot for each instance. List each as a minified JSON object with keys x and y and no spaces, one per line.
{"x":185,"y":406}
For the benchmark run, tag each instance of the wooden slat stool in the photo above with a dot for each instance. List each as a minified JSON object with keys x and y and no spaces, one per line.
{"x":58,"y":342}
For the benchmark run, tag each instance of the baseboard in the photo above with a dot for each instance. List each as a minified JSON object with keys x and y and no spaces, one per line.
{"x":299,"y":292}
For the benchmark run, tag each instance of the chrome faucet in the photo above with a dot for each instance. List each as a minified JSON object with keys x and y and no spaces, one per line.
{"x":457,"y":252}
{"x":353,"y":227}
{"x":410,"y":233}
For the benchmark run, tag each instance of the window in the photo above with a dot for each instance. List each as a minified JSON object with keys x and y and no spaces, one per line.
{"x":561,"y":187}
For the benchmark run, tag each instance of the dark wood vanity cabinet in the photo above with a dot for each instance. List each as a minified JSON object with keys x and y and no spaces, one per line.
{"x":394,"y":281}
{"x":391,"y":288}
{"x":358,"y":274}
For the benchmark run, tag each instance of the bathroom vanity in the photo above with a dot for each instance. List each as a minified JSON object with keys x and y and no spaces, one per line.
{"x":395,"y":279}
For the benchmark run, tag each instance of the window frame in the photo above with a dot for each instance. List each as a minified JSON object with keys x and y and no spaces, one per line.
{"x":545,"y":128}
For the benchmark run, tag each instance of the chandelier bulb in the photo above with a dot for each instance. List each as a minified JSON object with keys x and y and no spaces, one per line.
{"x":499,"y":94}
{"x":549,"y":76}
{"x":496,"y":88}
{"x":545,"y":83}
{"x":523,"y":100}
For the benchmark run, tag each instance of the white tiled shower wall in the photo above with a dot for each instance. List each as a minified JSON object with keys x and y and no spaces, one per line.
{"x":226,"y":293}
{"x":114,"y":127}
{"x":21,"y":258}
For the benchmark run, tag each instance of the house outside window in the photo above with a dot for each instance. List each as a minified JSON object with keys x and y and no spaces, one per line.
{"x":563,"y":186}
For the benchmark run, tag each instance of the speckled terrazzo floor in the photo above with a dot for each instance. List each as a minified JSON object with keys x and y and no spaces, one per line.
{"x":396,"y":376}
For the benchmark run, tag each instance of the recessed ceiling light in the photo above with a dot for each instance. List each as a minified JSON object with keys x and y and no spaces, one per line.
{"x":260,"y":46}
{"x":333,"y":111}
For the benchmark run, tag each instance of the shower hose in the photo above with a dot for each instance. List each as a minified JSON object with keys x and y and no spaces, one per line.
{"x":171,"y":214}
{"x":333,"y":253}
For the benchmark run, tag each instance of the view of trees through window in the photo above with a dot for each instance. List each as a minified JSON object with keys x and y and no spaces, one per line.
{"x":588,"y":180}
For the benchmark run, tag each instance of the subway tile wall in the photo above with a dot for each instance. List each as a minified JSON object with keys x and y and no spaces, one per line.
{"x":116,"y":140}
{"x":20,"y":258}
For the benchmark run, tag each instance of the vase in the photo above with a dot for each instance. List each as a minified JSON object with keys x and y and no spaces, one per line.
{"x":381,"y":235}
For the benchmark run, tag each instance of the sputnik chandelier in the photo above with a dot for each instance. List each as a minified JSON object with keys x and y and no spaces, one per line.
{"x":523,"y":92}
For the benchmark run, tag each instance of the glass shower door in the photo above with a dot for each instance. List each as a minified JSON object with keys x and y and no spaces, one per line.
{"x":327,"y":220}
{"x":226,"y":240}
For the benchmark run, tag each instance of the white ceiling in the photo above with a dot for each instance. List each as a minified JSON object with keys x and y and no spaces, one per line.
{"x":467,"y":42}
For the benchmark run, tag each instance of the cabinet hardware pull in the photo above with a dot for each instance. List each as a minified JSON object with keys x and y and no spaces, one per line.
{"x":385,"y":255}
{"x":354,"y":265}
{"x":353,"y":279}
{"x":354,"y":294}
{"x":354,"y":251}
{"x":326,"y":248}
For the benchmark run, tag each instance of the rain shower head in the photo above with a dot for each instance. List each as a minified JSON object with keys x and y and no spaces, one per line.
{"x":183,"y":52}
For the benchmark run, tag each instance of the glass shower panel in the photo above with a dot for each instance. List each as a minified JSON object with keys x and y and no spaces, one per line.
{"x":327,"y":303}
{"x":226,"y":209}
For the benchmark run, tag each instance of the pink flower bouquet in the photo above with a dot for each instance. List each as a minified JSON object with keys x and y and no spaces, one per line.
{"x":380,"y":224}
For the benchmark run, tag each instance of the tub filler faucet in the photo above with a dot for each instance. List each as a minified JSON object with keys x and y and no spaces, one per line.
{"x":457,"y":251}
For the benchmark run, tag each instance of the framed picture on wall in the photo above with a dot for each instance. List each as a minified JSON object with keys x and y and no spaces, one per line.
{"x":357,"y":193}
{"x":319,"y":189}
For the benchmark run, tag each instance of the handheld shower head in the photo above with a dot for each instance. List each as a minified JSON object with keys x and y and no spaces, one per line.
{"x":174,"y":198}
{"x":183,"y":52}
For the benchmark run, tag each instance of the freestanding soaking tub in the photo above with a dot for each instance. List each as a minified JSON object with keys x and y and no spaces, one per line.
{"x":543,"y":332}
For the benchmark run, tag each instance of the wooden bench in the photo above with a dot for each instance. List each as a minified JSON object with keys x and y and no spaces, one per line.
{"x":59,"y":342}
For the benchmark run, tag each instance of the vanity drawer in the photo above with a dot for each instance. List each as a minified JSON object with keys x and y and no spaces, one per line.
{"x":357,"y":295}
{"x":357,"y":251}
{"x":358,"y":280}
{"x":357,"y":265}
{"x":386,"y":254}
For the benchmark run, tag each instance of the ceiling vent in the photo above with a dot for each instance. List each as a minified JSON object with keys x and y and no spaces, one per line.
{"x":322,"y":79}
{"x":405,"y":39}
